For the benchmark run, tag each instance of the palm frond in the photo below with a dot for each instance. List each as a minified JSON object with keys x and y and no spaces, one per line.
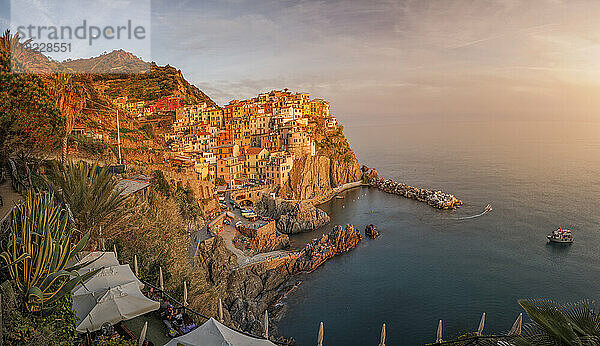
{"x":574,"y":324}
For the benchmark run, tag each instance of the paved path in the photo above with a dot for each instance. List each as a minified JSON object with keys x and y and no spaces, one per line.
{"x":9,"y":197}
{"x":329,"y":195}
{"x":243,"y":257}
{"x":228,"y":234}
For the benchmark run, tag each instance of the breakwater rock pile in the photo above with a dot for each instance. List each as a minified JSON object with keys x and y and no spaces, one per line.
{"x":436,"y":199}
{"x":315,"y":253}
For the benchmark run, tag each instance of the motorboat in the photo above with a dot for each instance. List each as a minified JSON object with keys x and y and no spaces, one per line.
{"x":560,"y":235}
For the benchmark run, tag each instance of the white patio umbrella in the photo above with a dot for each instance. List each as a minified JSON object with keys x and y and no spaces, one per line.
{"x":481,"y":324}
{"x":438,"y":337}
{"x":108,"y":277}
{"x":212,"y":332}
{"x":160,"y":279}
{"x":100,"y":260}
{"x":382,"y":342}
{"x":112,"y":305}
{"x":516,"y":327}
{"x":266,"y":324}
{"x":320,"y":335}
{"x":185,"y":294}
{"x":220,"y":310}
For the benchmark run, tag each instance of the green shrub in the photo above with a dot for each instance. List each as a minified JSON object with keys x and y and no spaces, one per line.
{"x":54,"y":327}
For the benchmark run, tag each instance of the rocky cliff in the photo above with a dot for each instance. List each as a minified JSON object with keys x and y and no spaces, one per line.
{"x":264,"y":240}
{"x":333,"y":165}
{"x":313,"y":176}
{"x":249,"y":291}
{"x":310,"y":176}
{"x":292,"y":217}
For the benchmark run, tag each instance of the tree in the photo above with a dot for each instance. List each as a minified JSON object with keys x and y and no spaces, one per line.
{"x":30,"y":124}
{"x":38,"y":249}
{"x":556,"y":324}
{"x":70,"y":100}
{"x":91,"y":194}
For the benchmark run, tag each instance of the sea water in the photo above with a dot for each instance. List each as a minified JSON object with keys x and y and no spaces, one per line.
{"x":426,"y":265}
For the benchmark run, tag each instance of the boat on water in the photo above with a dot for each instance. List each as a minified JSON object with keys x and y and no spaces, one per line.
{"x":339,"y":197}
{"x":487,"y":208}
{"x":563,"y":236}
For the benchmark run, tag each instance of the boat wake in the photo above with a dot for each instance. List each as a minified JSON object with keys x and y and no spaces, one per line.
{"x":487,"y":209}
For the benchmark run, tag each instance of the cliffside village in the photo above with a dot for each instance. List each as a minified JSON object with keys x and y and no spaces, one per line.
{"x":247,"y":141}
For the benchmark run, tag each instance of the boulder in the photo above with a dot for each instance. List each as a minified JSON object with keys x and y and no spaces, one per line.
{"x":371,"y":231}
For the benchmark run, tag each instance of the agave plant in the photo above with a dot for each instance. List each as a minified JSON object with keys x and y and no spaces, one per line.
{"x":560,"y":324}
{"x":91,"y":195}
{"x":38,"y":249}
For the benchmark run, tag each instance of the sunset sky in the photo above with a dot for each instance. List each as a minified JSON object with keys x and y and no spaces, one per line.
{"x":392,"y":60}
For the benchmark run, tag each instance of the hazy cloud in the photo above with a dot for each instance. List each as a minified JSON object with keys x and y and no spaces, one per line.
{"x":393,"y":59}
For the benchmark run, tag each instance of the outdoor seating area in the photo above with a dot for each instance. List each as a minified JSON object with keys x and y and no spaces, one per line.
{"x":115,"y":303}
{"x":112,"y":295}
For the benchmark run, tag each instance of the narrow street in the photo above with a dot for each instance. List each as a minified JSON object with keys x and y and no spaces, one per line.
{"x":243,"y":257}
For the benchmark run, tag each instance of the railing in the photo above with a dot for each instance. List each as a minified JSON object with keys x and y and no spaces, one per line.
{"x":478,"y":338}
{"x":183,"y":306}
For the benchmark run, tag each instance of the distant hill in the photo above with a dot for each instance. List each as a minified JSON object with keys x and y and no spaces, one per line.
{"x":138,"y":81}
{"x":117,"y":61}
{"x":120,"y":73}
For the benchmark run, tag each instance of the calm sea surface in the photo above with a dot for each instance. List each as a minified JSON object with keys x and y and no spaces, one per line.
{"x":427,"y":266}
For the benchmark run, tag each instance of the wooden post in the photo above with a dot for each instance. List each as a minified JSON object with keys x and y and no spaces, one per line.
{"x":119,"y":138}
{"x":1,"y":321}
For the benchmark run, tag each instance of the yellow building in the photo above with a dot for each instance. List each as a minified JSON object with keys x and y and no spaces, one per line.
{"x":202,"y":169}
{"x":254,"y":156}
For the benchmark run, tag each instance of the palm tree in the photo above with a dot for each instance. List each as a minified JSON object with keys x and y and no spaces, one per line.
{"x":23,"y":58}
{"x":555,"y":324}
{"x":70,"y":100}
{"x":91,"y":195}
{"x":12,"y":48}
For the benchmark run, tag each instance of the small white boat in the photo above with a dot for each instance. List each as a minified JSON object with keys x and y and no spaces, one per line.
{"x":339,"y":197}
{"x":563,"y":236}
{"x":488,"y":208}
